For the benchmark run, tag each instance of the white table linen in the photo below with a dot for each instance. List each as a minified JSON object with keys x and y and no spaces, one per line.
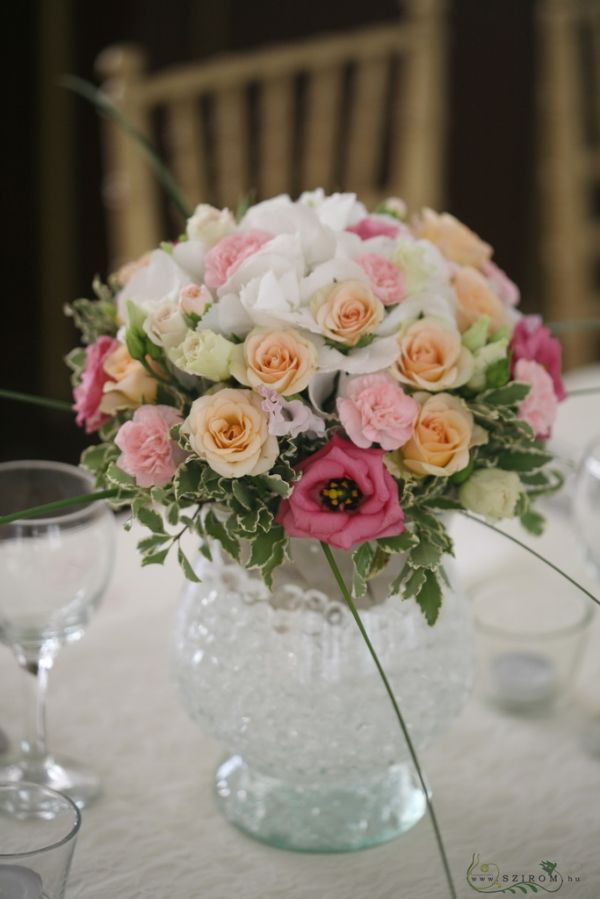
{"x":515,"y":790}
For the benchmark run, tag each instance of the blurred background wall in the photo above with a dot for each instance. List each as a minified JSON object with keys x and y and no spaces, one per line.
{"x":55,"y":227}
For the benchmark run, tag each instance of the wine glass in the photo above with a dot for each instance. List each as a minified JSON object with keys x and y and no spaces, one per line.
{"x":53,"y":572}
{"x":586,"y":513}
{"x":586,"y":504}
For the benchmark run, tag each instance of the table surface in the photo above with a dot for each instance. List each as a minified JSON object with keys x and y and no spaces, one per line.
{"x":515,"y":790}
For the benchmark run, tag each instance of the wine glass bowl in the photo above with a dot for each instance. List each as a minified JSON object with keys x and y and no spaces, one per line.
{"x":54,"y":569}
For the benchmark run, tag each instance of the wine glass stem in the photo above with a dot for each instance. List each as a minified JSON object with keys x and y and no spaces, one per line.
{"x":33,"y":744}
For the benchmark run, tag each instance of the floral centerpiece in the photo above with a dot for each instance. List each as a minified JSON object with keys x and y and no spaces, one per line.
{"x":314,"y":370}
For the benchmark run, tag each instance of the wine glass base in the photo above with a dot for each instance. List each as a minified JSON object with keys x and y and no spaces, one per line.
{"x":64,"y":775}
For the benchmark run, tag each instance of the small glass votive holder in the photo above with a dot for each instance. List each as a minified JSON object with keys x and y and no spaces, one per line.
{"x":531,"y":633}
{"x":38,"y":830}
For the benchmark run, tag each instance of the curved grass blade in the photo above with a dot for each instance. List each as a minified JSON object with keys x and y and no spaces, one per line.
{"x":90,"y":92}
{"x":59,"y":405}
{"x":413,"y":754}
{"x":533,"y":552}
{"x":50,"y":508}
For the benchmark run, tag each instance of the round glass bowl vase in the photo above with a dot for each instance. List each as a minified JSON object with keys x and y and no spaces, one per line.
{"x":317,"y":761}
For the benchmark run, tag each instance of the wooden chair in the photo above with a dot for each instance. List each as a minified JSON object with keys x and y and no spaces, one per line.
{"x":568,"y":153}
{"x":361,"y":110}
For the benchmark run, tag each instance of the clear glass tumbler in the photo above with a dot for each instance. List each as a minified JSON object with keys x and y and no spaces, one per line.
{"x":38,"y":831}
{"x":530,"y":636}
{"x":53,"y":572}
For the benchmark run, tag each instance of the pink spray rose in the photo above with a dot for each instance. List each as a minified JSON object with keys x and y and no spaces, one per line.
{"x":532,"y":340}
{"x":88,"y":393}
{"x":375,"y":226}
{"x":147,"y":452}
{"x":538,"y":408}
{"x":345,"y":496}
{"x":386,"y":278}
{"x":225,"y":257}
{"x":375,"y":409}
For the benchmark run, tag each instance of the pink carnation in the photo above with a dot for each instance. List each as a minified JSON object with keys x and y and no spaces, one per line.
{"x":385,"y":277}
{"x":344,"y":496}
{"x":88,"y":393}
{"x":539,"y":407}
{"x":505,"y":289}
{"x":375,"y":226}
{"x":147,"y":452}
{"x":225,"y":257}
{"x":531,"y":340}
{"x":375,"y":409}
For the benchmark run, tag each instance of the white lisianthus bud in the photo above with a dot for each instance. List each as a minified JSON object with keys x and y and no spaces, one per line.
{"x":203,"y":353}
{"x":164,"y":324}
{"x":209,"y":224}
{"x":491,"y":492}
{"x":395,"y":206}
{"x":194,"y":300}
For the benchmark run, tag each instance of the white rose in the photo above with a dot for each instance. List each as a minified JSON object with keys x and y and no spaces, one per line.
{"x":209,"y":224}
{"x":491,"y":492}
{"x":165,"y":324}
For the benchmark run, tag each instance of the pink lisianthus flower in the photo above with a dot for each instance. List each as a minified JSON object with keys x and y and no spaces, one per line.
{"x":386,"y":278}
{"x":88,"y":393}
{"x":532,"y":340}
{"x":288,"y":418}
{"x":505,"y":289}
{"x":147,"y":452}
{"x":225,"y":257}
{"x":539,"y":407}
{"x":375,"y":226}
{"x":375,"y":409}
{"x":345,"y":496}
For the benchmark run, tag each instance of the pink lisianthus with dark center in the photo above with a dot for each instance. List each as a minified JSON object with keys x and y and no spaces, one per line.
{"x":147,"y":452}
{"x":225,"y":257}
{"x":375,"y":226}
{"x":88,"y":393}
{"x":531,"y":340}
{"x":345,"y":496}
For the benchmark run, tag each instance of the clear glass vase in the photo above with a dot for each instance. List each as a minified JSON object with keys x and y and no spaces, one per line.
{"x":316,"y":760}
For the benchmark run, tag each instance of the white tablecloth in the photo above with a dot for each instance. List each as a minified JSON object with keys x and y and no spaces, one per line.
{"x":515,"y":790}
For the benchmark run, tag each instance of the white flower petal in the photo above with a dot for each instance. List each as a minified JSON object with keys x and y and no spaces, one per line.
{"x":279,"y":256}
{"x":440,"y":304}
{"x":340,"y":269}
{"x":189,"y":255}
{"x":377,"y":356}
{"x":337,"y":211}
{"x":162,"y":277}
{"x":281,"y":216}
{"x":226,"y":317}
